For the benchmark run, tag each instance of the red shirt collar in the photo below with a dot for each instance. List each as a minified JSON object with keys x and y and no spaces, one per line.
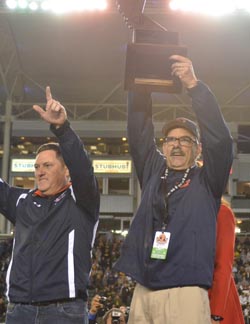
{"x":40,"y":194}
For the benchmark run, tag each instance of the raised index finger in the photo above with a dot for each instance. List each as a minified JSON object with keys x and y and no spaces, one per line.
{"x":48,"y":93}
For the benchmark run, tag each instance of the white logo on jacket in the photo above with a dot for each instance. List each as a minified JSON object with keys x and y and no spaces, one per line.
{"x":35,"y":203}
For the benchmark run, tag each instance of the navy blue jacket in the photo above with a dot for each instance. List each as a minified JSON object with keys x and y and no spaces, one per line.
{"x":192,"y":209}
{"x":54,"y":236}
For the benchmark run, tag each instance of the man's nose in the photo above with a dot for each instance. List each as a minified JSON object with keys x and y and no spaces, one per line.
{"x":176,"y":143}
{"x":40,"y":171}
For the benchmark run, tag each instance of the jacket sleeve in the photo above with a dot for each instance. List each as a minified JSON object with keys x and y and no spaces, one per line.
{"x":143,"y":149}
{"x":8,"y":200}
{"x":224,"y":257}
{"x":76,"y":158}
{"x":217,"y":145}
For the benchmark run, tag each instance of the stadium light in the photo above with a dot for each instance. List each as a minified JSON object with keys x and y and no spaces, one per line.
{"x":57,"y":6}
{"x":211,"y":7}
{"x":237,"y":230}
{"x":33,"y":5}
{"x":11,"y":4}
{"x":23,"y":4}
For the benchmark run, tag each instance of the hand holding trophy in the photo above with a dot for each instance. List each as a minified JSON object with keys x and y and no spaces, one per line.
{"x":148,"y":64}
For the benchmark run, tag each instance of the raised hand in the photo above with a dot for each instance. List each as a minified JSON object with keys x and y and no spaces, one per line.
{"x":54,"y":112}
{"x":183,"y":69}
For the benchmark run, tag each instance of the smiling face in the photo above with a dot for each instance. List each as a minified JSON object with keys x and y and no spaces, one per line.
{"x":51,"y":174}
{"x":180,"y":157}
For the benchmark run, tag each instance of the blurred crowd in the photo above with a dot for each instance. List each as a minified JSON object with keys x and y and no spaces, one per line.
{"x":241,"y":272}
{"x":5,"y":254}
{"x":104,"y":281}
{"x":118,"y":288}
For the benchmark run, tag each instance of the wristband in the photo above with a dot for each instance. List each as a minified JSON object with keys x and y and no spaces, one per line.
{"x":91,"y":316}
{"x":216,"y":318}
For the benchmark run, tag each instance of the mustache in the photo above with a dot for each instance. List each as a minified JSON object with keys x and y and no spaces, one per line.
{"x":177,"y":151}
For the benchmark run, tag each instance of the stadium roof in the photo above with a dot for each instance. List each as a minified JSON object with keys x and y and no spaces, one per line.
{"x":82,"y":58}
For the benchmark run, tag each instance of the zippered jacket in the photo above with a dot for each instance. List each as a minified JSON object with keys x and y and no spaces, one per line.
{"x":192,"y":208}
{"x":51,"y":256}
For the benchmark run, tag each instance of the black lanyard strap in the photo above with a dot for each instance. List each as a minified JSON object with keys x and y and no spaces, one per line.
{"x":170,"y":192}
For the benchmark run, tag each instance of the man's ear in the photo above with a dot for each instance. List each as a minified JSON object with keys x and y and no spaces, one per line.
{"x":164,"y":148}
{"x":199,"y":150}
{"x":67,"y":172}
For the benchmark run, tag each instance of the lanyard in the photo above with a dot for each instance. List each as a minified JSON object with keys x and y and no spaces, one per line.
{"x":170,"y":192}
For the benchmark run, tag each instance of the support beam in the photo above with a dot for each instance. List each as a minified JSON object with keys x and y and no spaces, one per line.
{"x":6,"y":155}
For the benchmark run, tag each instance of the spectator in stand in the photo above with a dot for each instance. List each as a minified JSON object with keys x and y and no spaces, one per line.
{"x":224,"y":299}
{"x":247,"y":314}
{"x":125,"y":294}
{"x":2,"y":309}
{"x":114,"y":314}
{"x":95,"y":306}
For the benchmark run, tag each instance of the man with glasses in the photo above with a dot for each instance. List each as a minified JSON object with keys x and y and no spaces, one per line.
{"x":170,"y":246}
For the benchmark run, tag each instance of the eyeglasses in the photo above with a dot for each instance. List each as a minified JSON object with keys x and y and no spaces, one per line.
{"x":183,"y":140}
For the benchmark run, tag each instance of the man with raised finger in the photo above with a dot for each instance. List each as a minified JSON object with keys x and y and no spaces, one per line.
{"x":55,"y":226}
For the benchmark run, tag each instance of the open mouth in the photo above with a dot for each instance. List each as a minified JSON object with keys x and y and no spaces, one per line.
{"x":177,"y":153}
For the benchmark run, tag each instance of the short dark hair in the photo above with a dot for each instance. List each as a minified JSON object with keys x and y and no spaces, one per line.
{"x":53,"y":146}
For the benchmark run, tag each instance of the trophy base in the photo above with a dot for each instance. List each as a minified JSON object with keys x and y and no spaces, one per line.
{"x":148,"y":67}
{"x":155,"y":85}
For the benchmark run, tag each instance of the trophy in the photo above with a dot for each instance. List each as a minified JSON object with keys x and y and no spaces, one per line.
{"x":148,"y":66}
